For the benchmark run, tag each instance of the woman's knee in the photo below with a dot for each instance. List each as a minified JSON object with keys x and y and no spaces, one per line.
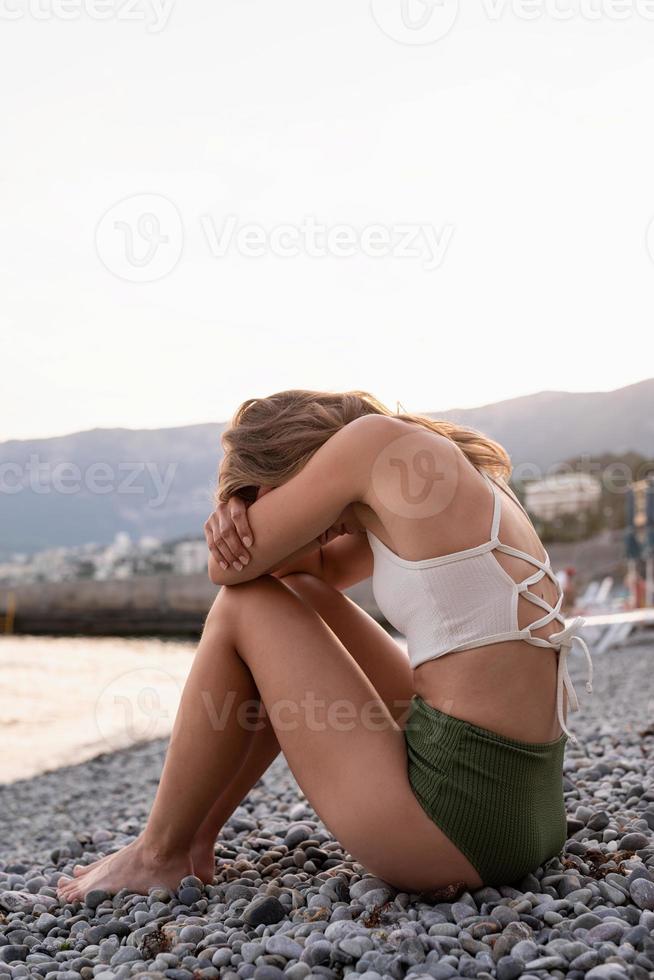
{"x":232,"y":599}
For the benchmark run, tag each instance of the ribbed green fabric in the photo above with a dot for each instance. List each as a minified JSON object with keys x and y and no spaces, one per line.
{"x":498,"y":799}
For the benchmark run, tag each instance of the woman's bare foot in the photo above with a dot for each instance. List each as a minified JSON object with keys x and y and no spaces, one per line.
{"x":203,"y":858}
{"x":134,"y":867}
{"x":82,"y":869}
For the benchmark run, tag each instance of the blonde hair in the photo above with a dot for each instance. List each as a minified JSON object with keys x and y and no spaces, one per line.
{"x":270,"y":439}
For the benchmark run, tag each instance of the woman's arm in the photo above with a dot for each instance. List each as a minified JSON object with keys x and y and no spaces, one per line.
{"x":293,"y":515}
{"x":347,"y":560}
{"x":341,"y":563}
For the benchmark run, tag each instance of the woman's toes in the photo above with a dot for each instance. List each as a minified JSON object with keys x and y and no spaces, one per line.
{"x":67,"y":887}
{"x":63,"y":887}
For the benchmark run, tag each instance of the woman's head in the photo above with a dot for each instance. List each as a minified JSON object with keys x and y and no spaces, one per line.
{"x":270,"y":439}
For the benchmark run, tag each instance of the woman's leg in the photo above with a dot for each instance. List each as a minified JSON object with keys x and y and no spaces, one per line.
{"x":342,"y":744}
{"x":379,"y":656}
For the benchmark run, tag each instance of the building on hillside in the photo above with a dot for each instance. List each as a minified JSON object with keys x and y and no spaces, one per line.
{"x":190,"y":557}
{"x":562,"y":493}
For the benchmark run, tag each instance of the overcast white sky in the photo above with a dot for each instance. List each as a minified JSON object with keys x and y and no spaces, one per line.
{"x":517,"y":154}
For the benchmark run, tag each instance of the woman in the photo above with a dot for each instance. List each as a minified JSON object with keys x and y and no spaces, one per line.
{"x":444,"y":766}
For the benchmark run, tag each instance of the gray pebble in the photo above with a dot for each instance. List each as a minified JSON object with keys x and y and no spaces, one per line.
{"x":125,"y":954}
{"x":284,"y":946}
{"x":607,"y":971}
{"x":599,"y":820}
{"x":297,"y":971}
{"x":317,"y":953}
{"x":13,"y":953}
{"x":95,"y":897}
{"x":191,"y":934}
{"x":642,"y":893}
{"x":266,"y":972}
{"x":264,"y":911}
{"x":608,"y":931}
{"x":633,"y":842}
{"x":189,"y":895}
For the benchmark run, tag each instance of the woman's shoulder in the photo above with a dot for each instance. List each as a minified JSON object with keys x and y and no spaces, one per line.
{"x":373,"y":436}
{"x":408,"y":469}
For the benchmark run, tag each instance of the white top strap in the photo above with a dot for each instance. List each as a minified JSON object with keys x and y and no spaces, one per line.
{"x":497,"y":507}
{"x":564,"y":641}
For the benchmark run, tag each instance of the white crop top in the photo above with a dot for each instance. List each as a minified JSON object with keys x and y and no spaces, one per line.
{"x":467,"y":599}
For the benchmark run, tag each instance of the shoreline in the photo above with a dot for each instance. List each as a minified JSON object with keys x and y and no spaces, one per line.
{"x":64,"y":700}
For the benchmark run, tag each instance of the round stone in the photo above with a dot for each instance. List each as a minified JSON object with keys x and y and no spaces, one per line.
{"x":508,"y":968}
{"x":95,"y":897}
{"x":633,"y":842}
{"x":284,"y":946}
{"x":642,"y":893}
{"x":13,"y":953}
{"x":264,"y":911}
{"x":190,"y":895}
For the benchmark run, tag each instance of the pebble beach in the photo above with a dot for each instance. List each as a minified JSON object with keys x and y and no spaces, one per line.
{"x":287,"y":902}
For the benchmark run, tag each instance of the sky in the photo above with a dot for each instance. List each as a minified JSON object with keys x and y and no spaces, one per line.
{"x":201,"y":203}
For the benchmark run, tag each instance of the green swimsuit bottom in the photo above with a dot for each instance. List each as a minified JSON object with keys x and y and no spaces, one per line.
{"x":499,"y":800}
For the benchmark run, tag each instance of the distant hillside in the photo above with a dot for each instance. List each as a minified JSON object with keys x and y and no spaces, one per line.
{"x":553,"y":426}
{"x":89,"y":485}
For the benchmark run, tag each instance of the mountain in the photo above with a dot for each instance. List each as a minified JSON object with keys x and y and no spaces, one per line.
{"x":553,"y":426}
{"x":89,"y":485}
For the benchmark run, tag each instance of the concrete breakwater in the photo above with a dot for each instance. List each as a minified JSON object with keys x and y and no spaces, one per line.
{"x":174,"y":605}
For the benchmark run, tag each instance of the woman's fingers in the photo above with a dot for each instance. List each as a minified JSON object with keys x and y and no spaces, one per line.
{"x":230,"y":540}
{"x":223,"y":537}
{"x":239,"y":514}
{"x":217,"y":545}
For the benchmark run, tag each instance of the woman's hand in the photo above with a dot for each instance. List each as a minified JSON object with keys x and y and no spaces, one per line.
{"x":229,"y":534}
